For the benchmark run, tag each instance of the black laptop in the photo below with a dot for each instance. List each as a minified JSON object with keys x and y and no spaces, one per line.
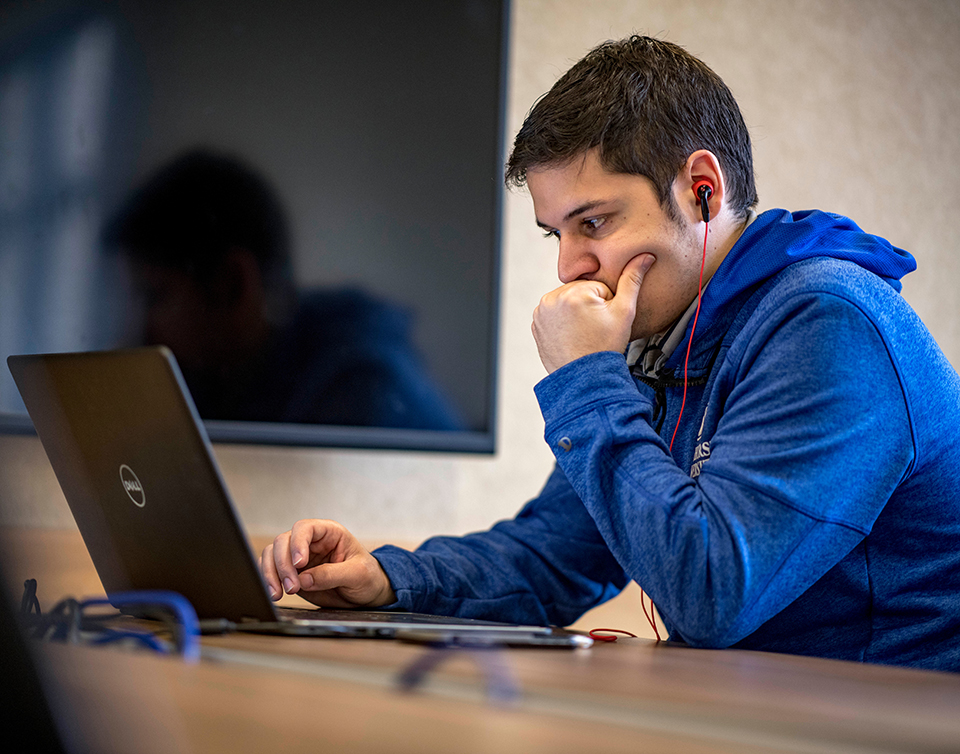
{"x":138,"y":472}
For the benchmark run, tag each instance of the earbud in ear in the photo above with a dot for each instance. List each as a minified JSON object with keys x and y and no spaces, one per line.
{"x":703,"y":191}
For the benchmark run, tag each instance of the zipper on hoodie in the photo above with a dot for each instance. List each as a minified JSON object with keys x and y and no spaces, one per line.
{"x":659,"y":398}
{"x":660,"y":385}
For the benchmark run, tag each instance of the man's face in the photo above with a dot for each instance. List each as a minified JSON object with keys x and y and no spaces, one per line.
{"x":602,"y":220}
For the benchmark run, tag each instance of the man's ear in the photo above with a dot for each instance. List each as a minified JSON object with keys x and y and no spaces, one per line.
{"x":702,"y":165}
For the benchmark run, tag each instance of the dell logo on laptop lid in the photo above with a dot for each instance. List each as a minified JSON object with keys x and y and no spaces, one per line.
{"x":132,"y":486}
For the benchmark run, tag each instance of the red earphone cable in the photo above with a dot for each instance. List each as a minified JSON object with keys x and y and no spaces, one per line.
{"x":605,"y":634}
{"x":696,"y":316}
{"x":651,"y":616}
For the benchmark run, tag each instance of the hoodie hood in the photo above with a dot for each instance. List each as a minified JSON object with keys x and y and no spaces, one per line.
{"x":774,"y":241}
{"x":778,"y":238}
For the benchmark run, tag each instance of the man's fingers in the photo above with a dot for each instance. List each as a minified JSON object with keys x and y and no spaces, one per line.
{"x":303,"y":535}
{"x":286,"y":571}
{"x":324,"y":563}
{"x":584,"y":316}
{"x":269,"y":570}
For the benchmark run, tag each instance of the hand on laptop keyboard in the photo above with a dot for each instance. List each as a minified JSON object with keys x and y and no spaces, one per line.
{"x":326,"y":565}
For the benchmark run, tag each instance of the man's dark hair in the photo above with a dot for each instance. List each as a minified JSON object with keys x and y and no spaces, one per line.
{"x":198,"y":207}
{"x":647,"y":105}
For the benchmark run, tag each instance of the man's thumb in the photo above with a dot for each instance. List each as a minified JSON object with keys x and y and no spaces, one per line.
{"x":632,"y":276}
{"x":324,"y":576}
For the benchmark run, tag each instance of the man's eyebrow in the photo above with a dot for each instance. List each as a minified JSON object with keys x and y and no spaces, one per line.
{"x":574,"y":212}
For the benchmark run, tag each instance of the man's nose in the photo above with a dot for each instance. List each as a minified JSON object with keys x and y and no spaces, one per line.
{"x":575,"y":260}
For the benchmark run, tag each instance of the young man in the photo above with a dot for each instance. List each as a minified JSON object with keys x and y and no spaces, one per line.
{"x":771,"y":461}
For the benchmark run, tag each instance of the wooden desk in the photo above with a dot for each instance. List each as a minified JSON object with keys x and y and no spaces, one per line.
{"x":141,"y":703}
{"x":253,"y":693}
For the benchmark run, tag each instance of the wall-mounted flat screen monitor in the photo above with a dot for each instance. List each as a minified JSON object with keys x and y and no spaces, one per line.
{"x":300,"y":198}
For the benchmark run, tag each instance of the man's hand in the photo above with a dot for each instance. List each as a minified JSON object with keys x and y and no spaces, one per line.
{"x":326,"y":565}
{"x":584,"y":316}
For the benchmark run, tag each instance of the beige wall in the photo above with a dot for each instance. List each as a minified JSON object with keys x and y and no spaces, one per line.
{"x":853,"y":106}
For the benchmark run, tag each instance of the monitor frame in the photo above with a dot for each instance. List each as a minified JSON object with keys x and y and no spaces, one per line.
{"x":374,"y":437}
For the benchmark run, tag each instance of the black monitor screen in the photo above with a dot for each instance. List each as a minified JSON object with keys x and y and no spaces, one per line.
{"x":300,"y":198}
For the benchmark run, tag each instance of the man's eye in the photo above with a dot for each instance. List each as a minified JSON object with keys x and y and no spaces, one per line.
{"x":551,"y":234}
{"x":594,"y":223}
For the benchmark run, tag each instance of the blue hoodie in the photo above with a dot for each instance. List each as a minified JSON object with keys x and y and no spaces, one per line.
{"x":808,"y":503}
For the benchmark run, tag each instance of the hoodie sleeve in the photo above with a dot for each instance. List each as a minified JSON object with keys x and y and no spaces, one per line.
{"x":547,"y":566}
{"x":813,"y":439}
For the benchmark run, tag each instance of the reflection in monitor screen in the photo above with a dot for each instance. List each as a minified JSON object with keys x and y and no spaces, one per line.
{"x":301,"y":199}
